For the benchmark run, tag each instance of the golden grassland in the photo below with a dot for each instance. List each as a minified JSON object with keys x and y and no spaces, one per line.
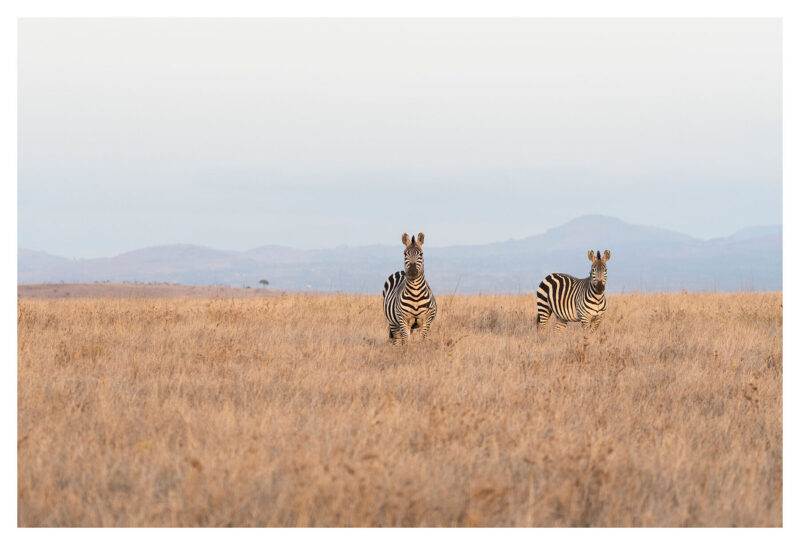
{"x":295,"y":411}
{"x":138,"y":290}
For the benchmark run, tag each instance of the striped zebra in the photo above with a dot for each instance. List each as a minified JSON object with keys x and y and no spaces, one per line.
{"x":574,"y":299}
{"x":408,"y":301}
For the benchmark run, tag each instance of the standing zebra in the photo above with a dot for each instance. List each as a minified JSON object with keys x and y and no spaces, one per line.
{"x":574,"y":299}
{"x":408,"y":301}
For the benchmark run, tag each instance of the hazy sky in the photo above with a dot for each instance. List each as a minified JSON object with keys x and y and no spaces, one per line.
{"x":235,"y":133}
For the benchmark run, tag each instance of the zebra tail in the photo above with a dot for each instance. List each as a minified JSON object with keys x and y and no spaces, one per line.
{"x":541,"y":301}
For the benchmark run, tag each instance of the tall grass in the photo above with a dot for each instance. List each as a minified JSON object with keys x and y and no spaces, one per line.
{"x":295,"y":411}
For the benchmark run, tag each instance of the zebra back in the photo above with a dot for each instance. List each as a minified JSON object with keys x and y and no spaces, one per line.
{"x":566,"y":296}
{"x":574,"y":299}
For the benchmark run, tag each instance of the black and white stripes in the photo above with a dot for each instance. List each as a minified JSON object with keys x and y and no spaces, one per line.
{"x":408,"y":301}
{"x":574,"y":299}
{"x":409,"y":304}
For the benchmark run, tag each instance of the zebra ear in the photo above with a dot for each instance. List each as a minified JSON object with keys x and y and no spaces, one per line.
{"x":592,"y":257}
{"x":406,"y":240}
{"x":420,"y":238}
{"x":606,"y":256}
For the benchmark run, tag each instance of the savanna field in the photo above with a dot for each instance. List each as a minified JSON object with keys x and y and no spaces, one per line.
{"x":296,"y":411}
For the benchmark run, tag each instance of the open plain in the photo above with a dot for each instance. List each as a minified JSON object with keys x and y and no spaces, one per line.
{"x":296,"y":411}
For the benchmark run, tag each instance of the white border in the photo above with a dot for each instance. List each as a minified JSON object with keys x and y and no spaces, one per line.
{"x":410,"y":8}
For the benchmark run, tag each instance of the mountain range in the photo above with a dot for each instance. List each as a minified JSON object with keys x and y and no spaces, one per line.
{"x":646,"y":259}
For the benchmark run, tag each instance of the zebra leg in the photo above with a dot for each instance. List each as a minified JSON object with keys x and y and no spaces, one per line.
{"x":427,"y":327}
{"x":586,"y":322}
{"x":543,"y":317}
{"x":401,"y":334}
{"x":596,"y":322}
{"x":560,"y":324}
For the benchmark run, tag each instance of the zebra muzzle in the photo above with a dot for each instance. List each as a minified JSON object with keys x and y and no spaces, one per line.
{"x":600,"y":287}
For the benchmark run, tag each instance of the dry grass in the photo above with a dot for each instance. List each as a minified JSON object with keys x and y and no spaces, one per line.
{"x":130,"y":290}
{"x":295,"y":411}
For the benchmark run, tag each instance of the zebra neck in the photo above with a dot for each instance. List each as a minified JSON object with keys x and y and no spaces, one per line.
{"x":596,"y":295}
{"x":417,"y":284}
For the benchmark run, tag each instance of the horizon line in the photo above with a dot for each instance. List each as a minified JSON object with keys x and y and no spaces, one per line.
{"x":203,"y":246}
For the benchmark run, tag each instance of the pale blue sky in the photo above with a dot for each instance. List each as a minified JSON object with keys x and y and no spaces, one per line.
{"x":316,"y":133}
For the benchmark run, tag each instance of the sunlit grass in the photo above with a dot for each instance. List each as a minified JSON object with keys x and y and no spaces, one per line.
{"x":296,"y":411}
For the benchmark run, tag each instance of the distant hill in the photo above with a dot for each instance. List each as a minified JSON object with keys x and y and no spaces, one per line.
{"x":642,"y":259}
{"x":30,"y":261}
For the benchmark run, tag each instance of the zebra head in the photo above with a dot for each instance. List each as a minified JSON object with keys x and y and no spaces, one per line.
{"x":599,"y":274}
{"x":413,"y":255}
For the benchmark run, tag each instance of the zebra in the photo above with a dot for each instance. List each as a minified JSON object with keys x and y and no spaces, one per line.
{"x":574,"y":299}
{"x":408,"y":301}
